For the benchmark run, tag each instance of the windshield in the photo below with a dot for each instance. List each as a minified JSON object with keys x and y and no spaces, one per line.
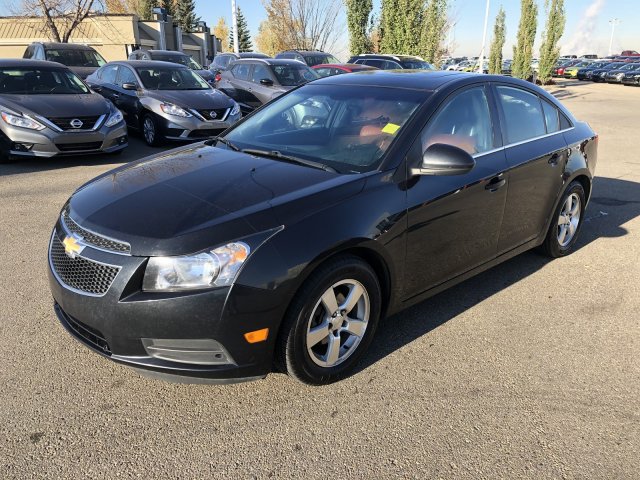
{"x":417,"y":65}
{"x":76,"y":58}
{"x":631,"y":66}
{"x":171,"y":79}
{"x":313,"y":60}
{"x":32,"y":81}
{"x":185,"y":60}
{"x":293,"y":75}
{"x":339,"y":126}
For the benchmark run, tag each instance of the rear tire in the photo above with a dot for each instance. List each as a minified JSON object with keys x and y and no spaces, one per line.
{"x":331,"y":322}
{"x":566,"y":222}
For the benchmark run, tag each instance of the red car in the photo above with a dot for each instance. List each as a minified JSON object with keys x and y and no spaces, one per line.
{"x":329,"y":69}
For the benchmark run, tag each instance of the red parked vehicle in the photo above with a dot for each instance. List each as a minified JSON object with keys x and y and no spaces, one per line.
{"x":330,"y":69}
{"x":629,"y":53}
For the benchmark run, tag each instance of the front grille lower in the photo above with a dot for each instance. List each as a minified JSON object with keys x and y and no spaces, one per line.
{"x":64,"y":123}
{"x":78,"y":147}
{"x":218,"y":113}
{"x":90,"y":335}
{"x":94,"y":239}
{"x":204,"y":133}
{"x":80,"y":273}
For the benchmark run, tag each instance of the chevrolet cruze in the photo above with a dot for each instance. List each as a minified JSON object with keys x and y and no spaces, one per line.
{"x":47,"y":110}
{"x":284,"y":242}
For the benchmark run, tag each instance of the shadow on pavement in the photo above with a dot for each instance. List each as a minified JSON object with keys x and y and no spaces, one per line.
{"x":613,"y":203}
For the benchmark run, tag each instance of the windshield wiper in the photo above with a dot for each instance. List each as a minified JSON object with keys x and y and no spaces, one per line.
{"x":217,"y":139}
{"x":286,"y":158}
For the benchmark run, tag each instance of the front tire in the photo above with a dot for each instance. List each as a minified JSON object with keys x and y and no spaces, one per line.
{"x":151,"y":130}
{"x":567,"y":220}
{"x":331,"y":322}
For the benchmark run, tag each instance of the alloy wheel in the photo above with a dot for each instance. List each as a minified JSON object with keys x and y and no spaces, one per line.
{"x":149,"y":130}
{"x":338,"y":323}
{"x":569,"y":219}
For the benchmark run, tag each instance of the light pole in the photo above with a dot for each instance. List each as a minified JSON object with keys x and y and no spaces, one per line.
{"x":613,"y":22}
{"x":234,"y":25}
{"x":484,"y":39}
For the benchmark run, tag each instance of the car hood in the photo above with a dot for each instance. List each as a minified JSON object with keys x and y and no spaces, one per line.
{"x":200,"y":99}
{"x":57,"y":105}
{"x":198,"y":197}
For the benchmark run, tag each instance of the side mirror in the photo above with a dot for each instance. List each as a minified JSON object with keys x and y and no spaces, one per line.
{"x":443,"y":159}
{"x":267,"y":82}
{"x":129,"y":86}
{"x":95,"y":88}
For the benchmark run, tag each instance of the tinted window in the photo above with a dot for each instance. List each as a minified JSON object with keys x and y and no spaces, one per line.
{"x":241,"y":71}
{"x":523,"y":114}
{"x":171,"y":79}
{"x":76,"y":58}
{"x":260,"y":72}
{"x":313,"y":60}
{"x":551,"y":117}
{"x":375,"y":63}
{"x":28,"y":53}
{"x":291,"y":75}
{"x":464,"y":122}
{"x":108,"y":74}
{"x":325,"y":72}
{"x":126,"y":76}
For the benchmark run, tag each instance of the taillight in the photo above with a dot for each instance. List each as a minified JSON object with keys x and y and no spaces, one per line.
{"x":218,"y":77}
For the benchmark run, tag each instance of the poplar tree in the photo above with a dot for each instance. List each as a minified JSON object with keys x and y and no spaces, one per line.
{"x":358,"y":12}
{"x":499,"y":32}
{"x":244,"y":37}
{"x":523,"y":51}
{"x":433,"y":30}
{"x":389,"y":26}
{"x":549,"y":51}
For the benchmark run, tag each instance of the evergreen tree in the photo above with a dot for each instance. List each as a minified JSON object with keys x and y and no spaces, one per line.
{"x":244,"y":37}
{"x":145,"y":9}
{"x":495,"y":54}
{"x":549,"y":51}
{"x":184,"y":15}
{"x":433,"y":30}
{"x":389,"y":22}
{"x":523,"y":51}
{"x":168,"y":6}
{"x":358,"y":12}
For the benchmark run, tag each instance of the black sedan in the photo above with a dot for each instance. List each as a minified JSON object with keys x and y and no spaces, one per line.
{"x":599,"y":74}
{"x":285,"y":241}
{"x":164,"y":100}
{"x":585,"y":73}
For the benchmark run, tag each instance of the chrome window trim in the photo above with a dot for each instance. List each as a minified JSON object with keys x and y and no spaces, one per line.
{"x":89,"y":245}
{"x":69,"y":287}
{"x":504,"y":147}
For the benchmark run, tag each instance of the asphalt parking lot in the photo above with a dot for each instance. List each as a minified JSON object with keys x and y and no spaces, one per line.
{"x":529,"y":370}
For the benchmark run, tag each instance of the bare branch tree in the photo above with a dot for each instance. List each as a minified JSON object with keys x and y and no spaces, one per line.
{"x":61,"y":17}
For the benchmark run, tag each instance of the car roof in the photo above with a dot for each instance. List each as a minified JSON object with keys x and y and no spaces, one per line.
{"x":25,"y":62}
{"x":163,"y":52}
{"x":401,"y":58}
{"x":65,"y":46}
{"x":307,"y":52}
{"x":147,"y":64}
{"x":270,"y":61}
{"x":350,"y":66}
{"x":414,"y":79}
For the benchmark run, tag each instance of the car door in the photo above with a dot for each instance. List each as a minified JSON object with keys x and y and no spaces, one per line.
{"x":127,"y":100}
{"x":106,"y":82}
{"x":454,"y":220}
{"x":536,"y":155}
{"x":237,"y":82}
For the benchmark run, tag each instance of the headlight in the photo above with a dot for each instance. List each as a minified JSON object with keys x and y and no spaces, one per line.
{"x":171,"y":109}
{"x":115,"y":118}
{"x":20,"y":121}
{"x":235,"y":110}
{"x":217,"y":268}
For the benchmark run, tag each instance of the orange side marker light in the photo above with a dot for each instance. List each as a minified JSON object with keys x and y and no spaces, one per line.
{"x":257,"y":335}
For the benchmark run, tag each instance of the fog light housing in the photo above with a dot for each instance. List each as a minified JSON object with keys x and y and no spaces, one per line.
{"x":122,"y":140}
{"x":193,"y":351}
{"x":21,"y":147}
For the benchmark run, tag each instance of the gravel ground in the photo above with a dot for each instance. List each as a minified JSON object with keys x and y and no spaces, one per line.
{"x":529,"y":370}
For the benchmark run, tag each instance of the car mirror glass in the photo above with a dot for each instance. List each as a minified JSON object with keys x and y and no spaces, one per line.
{"x":129,"y":86}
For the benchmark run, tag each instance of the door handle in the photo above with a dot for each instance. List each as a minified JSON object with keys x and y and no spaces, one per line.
{"x":554,"y":159}
{"x":495,"y":183}
{"x":116,"y":95}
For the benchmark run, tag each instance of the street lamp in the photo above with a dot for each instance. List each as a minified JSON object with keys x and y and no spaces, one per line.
{"x":484,"y":39}
{"x":613,"y":22}
{"x":234,"y":24}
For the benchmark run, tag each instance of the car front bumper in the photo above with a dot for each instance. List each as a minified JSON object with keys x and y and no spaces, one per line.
{"x":193,"y":128}
{"x":121,"y":323}
{"x":22,"y":142}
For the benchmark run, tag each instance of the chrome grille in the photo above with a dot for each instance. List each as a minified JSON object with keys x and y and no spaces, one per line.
{"x":80,"y":273}
{"x":64,"y":123}
{"x":94,"y":239}
{"x":218,"y":113}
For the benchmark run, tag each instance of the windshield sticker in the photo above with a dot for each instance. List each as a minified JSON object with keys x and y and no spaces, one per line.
{"x":390,"y":128}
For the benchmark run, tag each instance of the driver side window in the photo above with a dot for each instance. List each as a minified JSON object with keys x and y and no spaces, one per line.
{"x":464,"y":122}
{"x":259,"y":72}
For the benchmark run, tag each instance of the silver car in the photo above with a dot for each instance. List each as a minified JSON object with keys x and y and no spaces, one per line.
{"x":46,"y":110}
{"x":165,"y":101}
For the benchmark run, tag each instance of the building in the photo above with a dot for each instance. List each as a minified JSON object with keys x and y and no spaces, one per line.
{"x":113,"y":36}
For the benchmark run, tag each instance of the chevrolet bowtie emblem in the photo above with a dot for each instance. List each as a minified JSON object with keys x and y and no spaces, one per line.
{"x":72,"y":246}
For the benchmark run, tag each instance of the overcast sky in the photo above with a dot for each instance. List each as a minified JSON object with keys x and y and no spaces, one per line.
{"x":587,"y":30}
